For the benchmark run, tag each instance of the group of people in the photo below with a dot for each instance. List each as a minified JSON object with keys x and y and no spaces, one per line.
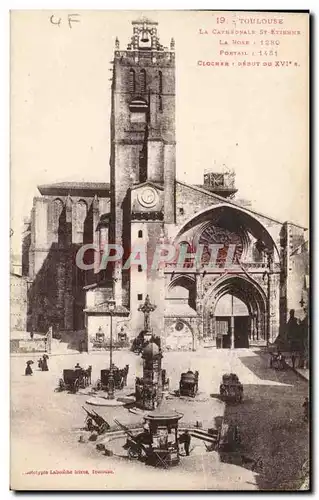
{"x":277,"y":360}
{"x":42,"y":365}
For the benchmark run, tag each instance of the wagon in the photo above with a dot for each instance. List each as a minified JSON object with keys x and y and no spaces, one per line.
{"x":119,"y":376}
{"x":231,"y":389}
{"x":277,"y":361}
{"x":74,"y":379}
{"x":188,"y":385}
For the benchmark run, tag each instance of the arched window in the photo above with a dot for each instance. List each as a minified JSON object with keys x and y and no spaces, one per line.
{"x":132,"y":80}
{"x":57,"y":208}
{"x":142,"y":81}
{"x":81,"y":212}
{"x":160,"y":82}
{"x":160,"y":103}
{"x":184,"y":251}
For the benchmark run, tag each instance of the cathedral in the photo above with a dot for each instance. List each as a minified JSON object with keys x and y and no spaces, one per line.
{"x":232,"y":304}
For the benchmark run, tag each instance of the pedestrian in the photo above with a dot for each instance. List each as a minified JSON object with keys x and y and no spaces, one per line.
{"x":31,"y":335}
{"x":186,"y":440}
{"x":306,"y":409}
{"x":293,"y":360}
{"x":44,"y":365}
{"x":28,"y":370}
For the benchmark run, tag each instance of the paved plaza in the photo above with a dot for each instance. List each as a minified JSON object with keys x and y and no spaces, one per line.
{"x":46,"y":425}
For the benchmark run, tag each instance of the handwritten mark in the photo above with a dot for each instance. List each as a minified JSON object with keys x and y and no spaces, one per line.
{"x":71,"y":18}
{"x":52,"y":20}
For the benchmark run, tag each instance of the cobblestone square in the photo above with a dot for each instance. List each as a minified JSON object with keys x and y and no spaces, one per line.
{"x":46,"y":425}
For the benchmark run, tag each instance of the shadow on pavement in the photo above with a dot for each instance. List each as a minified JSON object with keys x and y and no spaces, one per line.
{"x":273,"y":433}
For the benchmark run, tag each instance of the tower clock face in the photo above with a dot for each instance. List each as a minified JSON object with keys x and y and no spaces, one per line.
{"x":147,"y":197}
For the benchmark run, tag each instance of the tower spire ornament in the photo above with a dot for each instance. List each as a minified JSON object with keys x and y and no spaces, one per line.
{"x":146,"y":309}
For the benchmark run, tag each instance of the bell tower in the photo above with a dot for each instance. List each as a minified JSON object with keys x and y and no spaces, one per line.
{"x":142,"y":137}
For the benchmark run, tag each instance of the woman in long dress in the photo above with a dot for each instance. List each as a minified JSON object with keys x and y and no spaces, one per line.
{"x":28,"y":370}
{"x":44,"y":365}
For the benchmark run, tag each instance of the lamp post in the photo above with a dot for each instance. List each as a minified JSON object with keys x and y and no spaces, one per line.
{"x":111,"y":308}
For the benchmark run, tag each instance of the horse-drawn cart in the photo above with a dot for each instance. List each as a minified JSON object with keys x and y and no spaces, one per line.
{"x":119,"y":377}
{"x":231,"y":389}
{"x":74,"y":379}
{"x":188,"y":385}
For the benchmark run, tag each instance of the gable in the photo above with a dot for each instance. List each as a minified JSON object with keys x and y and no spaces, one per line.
{"x":194,"y":199}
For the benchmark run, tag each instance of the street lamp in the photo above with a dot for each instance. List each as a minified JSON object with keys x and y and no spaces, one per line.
{"x":111,"y":308}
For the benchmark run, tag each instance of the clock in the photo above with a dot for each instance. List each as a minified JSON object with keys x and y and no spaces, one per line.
{"x":147,"y":197}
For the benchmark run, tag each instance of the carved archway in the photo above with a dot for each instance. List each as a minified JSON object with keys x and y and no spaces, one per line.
{"x":245,"y":289}
{"x":239,"y":220}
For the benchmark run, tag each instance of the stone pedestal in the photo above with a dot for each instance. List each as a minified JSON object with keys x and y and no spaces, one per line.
{"x":148,"y":389}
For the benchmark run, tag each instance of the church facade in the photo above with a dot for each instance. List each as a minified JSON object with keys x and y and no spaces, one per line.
{"x":243,"y":299}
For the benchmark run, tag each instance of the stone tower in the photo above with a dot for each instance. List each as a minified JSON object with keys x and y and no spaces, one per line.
{"x":142,"y":157}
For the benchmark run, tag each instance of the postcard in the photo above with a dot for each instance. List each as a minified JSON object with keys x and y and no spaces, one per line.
{"x":159,"y":250}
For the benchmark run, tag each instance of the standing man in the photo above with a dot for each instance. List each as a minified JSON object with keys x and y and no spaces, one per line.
{"x":293,"y":332}
{"x":186,"y":439}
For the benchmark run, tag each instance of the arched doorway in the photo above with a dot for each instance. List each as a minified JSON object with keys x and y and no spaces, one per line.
{"x":234,"y":312}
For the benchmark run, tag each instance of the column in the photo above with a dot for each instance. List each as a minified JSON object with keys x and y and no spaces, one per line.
{"x":213,"y":327}
{"x":232,"y":325}
{"x":232,"y":332}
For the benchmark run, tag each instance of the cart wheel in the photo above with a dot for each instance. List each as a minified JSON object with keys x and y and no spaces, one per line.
{"x":76,"y":385}
{"x":133,"y":453}
{"x":103,"y":428}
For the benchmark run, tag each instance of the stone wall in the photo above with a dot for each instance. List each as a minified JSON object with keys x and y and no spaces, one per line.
{"x":18,"y":303}
{"x":59,"y":227}
{"x":28,"y":345}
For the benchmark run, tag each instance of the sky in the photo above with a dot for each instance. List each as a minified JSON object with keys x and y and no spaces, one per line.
{"x":251,"y":119}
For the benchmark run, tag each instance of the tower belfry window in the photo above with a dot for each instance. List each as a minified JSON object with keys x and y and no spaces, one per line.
{"x":142,"y":81}
{"x":132,"y":80}
{"x":160,"y":103}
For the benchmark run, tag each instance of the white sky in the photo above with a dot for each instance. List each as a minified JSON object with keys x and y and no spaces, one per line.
{"x":254,"y":120}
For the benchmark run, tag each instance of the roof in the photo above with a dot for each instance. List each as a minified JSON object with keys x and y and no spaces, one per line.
{"x":147,"y":183}
{"x":101,"y":189}
{"x":164,"y":412}
{"x":104,"y":309}
{"x":231,"y":202}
